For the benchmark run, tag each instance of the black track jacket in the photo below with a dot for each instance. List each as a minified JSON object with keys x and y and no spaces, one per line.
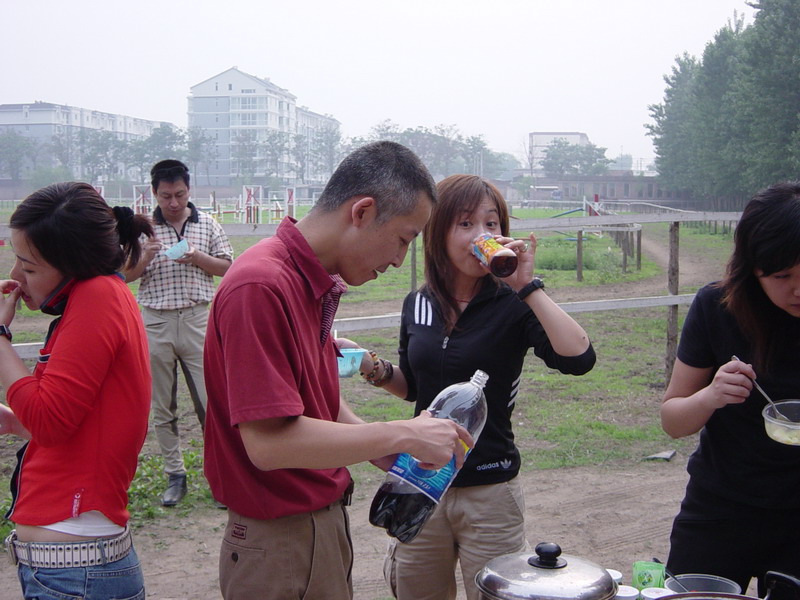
{"x":493,"y":334}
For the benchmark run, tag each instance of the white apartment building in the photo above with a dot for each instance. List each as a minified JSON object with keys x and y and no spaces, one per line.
{"x":42,"y":122}
{"x":245,"y":115}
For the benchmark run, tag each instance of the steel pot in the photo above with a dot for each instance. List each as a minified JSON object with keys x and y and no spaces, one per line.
{"x":545,"y":575}
{"x":773,"y":580}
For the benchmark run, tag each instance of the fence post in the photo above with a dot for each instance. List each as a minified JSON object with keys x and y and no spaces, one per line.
{"x":624,"y":245}
{"x":579,"y":256}
{"x":672,"y":288}
{"x":639,"y":249}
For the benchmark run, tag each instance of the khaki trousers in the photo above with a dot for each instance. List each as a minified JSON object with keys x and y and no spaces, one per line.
{"x":471,"y":525}
{"x":307,"y":556}
{"x":175,"y":337}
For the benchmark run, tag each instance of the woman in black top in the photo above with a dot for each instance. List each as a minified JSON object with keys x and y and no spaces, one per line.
{"x":741,"y":514}
{"x":463,"y":319}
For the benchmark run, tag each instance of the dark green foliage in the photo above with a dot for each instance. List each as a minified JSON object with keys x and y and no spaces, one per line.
{"x":728,"y":125}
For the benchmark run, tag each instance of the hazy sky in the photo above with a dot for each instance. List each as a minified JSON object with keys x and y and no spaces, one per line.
{"x":500,"y":68}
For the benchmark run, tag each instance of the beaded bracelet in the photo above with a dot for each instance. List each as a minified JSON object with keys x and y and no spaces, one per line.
{"x":386,"y":376}
{"x":371,"y":375}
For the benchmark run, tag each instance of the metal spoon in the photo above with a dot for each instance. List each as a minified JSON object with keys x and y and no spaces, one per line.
{"x":778,"y":413}
{"x":669,"y":574}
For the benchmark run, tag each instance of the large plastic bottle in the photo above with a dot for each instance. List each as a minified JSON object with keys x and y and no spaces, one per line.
{"x":406,"y":498}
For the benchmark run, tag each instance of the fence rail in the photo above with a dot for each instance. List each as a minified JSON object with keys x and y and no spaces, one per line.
{"x":673,"y":300}
{"x":30,"y":350}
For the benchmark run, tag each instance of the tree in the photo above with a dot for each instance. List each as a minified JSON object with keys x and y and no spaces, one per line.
{"x":728,"y":124}
{"x":15,"y":149}
{"x":200,"y":150}
{"x":562,"y":158}
{"x":243,"y":155}
{"x":301,"y":155}
{"x":623,"y":162}
{"x":274,"y":147}
{"x":98,"y":153}
{"x":531,"y":160}
{"x":672,"y":127}
{"x":326,"y":148}
{"x":165,"y":142}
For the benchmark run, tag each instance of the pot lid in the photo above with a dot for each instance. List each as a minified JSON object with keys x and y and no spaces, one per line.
{"x":545,"y":575}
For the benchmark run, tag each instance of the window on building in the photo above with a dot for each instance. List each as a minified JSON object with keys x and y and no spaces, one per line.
{"x":626,"y":190}
{"x":216,"y":86}
{"x":230,"y":87}
{"x":249,"y":91}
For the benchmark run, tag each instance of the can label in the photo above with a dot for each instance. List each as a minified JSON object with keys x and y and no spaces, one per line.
{"x":484,"y":247}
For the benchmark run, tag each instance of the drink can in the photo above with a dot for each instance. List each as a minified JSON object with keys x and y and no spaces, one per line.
{"x":501,"y":261}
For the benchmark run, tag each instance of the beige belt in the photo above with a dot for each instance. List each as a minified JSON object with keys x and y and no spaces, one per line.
{"x":60,"y":555}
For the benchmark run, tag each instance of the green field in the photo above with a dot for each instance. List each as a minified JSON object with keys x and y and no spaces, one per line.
{"x":609,"y":416}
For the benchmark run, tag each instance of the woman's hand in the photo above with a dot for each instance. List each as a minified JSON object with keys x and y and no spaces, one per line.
{"x":10,"y":293}
{"x":731,"y":384}
{"x":9,"y":424}
{"x":526,"y":252}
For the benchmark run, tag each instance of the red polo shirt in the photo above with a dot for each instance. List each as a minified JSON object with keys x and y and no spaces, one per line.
{"x":264,"y":358}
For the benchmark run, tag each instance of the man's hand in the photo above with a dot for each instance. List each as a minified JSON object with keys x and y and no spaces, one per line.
{"x":438,"y":440}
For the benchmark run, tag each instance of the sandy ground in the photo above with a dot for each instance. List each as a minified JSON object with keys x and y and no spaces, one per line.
{"x":611,"y":517}
{"x":607,"y":516}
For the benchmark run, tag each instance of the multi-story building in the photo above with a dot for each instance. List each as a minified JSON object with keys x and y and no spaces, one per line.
{"x":538,"y":141}
{"x":258,"y":132}
{"x":56,"y":130}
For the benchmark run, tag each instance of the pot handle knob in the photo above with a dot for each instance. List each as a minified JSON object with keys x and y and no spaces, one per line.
{"x":773,"y":579}
{"x":547,"y":556}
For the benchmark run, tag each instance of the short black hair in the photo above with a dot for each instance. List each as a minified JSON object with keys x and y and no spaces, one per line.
{"x":384,"y":170}
{"x":169,"y":170}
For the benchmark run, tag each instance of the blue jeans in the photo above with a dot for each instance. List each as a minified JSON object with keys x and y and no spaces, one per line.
{"x":119,"y":580}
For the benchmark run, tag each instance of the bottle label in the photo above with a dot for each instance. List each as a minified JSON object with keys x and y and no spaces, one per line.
{"x":432,"y":483}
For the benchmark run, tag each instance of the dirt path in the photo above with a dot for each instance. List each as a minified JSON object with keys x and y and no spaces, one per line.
{"x":610,"y":516}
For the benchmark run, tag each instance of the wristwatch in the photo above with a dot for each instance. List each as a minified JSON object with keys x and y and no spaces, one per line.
{"x":529,"y":288}
{"x":5,"y":331}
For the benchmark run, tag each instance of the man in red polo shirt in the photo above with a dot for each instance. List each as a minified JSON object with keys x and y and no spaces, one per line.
{"x":278,"y":436}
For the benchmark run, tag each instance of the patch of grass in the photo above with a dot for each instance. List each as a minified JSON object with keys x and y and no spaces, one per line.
{"x":608,"y":416}
{"x":144,"y":495}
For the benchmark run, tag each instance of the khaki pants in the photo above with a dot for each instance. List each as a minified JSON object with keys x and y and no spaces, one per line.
{"x":175,"y":337}
{"x":307,"y":556}
{"x":471,"y":525}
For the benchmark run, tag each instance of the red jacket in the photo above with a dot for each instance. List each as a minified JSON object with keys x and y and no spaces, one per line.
{"x":86,"y":406}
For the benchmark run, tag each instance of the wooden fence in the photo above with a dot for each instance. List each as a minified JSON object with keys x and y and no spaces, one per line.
{"x":671,"y":299}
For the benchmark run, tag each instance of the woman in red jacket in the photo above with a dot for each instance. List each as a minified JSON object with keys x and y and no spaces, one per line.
{"x":84,"y":409}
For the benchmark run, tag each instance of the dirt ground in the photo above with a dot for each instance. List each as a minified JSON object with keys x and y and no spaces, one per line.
{"x":610,"y":516}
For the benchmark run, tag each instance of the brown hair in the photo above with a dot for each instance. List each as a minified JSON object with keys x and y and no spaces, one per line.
{"x":457,"y":194}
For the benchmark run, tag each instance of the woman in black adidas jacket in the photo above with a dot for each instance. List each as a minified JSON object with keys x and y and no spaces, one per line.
{"x":461,"y":320}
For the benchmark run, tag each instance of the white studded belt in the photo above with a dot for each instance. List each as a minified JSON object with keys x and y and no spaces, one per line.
{"x":61,"y":555}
